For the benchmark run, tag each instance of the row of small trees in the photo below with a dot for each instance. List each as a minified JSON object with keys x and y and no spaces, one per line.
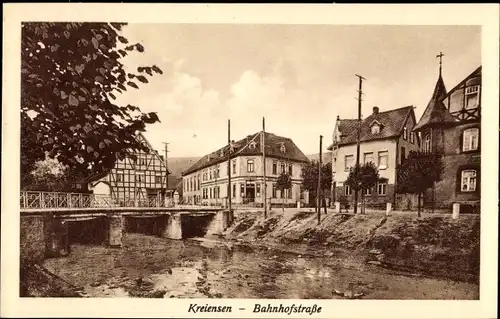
{"x":415,"y":175}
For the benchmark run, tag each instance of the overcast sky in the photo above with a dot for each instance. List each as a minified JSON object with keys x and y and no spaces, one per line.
{"x":299,"y":77}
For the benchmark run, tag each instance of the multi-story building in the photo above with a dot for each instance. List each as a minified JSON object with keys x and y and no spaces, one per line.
{"x":451,"y":125}
{"x":206,"y":182}
{"x":386,"y":138}
{"x":140,"y":181}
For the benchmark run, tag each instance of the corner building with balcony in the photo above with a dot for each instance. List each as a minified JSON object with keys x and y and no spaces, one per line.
{"x":451,"y":126}
{"x":386,"y":138}
{"x":206,"y":181}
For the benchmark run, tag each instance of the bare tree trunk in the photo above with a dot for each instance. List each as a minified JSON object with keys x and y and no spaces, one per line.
{"x":419,"y":206}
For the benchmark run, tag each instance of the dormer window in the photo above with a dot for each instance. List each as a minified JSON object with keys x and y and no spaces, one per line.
{"x":221,"y":153}
{"x":283,"y":148}
{"x":375,"y":129}
{"x":252,"y":145}
{"x":472,"y":97}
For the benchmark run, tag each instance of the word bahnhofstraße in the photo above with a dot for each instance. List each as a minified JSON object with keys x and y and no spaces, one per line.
{"x":287,"y":309}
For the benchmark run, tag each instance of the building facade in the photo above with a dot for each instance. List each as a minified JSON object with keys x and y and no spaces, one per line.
{"x":138,"y":182}
{"x":386,"y":138}
{"x":451,"y":126}
{"x":206,"y":182}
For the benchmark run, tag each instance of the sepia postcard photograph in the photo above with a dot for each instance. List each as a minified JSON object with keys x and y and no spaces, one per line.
{"x":241,"y":162}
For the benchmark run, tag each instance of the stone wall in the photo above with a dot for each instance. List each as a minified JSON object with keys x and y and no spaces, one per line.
{"x":32,"y":238}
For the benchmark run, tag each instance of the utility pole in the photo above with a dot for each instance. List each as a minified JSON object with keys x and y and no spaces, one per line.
{"x":229,"y":188}
{"x":263,"y":144}
{"x":318,"y":191}
{"x":166,"y":174}
{"x":360,"y":92}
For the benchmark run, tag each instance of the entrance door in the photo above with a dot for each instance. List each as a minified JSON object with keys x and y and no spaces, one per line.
{"x":250,"y":194}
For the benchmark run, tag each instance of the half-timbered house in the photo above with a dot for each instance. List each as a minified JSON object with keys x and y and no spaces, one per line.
{"x":451,"y":126}
{"x":135,"y":182}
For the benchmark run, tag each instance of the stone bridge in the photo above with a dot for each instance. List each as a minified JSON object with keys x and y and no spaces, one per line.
{"x":49,"y":232}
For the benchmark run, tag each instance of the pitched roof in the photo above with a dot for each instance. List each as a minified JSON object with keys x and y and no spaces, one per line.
{"x":436,"y":112}
{"x":244,"y":146}
{"x":345,"y":127}
{"x":392,"y":122}
{"x":140,"y":138}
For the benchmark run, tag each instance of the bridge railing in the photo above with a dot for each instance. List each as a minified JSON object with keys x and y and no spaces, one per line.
{"x":37,"y":200}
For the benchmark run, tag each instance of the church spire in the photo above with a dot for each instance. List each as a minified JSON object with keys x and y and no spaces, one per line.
{"x":436,"y":112}
{"x":440,"y":56}
{"x":440,"y":89}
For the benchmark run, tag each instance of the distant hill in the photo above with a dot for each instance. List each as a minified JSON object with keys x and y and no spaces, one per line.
{"x":327,"y":157}
{"x":177,"y":165}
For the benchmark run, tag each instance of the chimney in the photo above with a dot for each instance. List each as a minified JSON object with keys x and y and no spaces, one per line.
{"x":338,"y":117}
{"x":375,"y":110}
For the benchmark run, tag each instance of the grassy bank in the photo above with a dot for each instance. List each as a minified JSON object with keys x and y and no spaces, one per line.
{"x":432,"y":245}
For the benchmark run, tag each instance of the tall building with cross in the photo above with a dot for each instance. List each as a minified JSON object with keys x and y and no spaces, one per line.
{"x":451,"y":126}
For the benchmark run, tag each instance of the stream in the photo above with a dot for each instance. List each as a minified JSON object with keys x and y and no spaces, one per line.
{"x":149,"y":266}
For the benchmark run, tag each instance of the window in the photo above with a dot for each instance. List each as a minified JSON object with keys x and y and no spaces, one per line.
{"x":405,"y":133}
{"x":252,"y":145}
{"x":139,"y":178}
{"x":250,"y":167}
{"x":211,"y":192}
{"x":383,"y":159}
{"x":198,"y":188}
{"x":242,"y":190}
{"x":412,"y":137}
{"x":234,"y":166}
{"x":290,"y":169}
{"x":469,"y":180}
{"x":234,"y":190}
{"x":347,"y":190}
{"x":274,"y":191}
{"x":283,"y":148}
{"x":158,"y":179}
{"x":403,"y":154}
{"x":221,"y":153}
{"x":258,"y":190}
{"x":275,"y":168}
{"x":282,"y":167}
{"x":368,"y":158}
{"x":349,"y":162}
{"x":210,"y":172}
{"x":119,"y":177}
{"x":472,"y":97}
{"x":368,"y":192}
{"x":382,"y":189}
{"x":375,"y":129}
{"x":470,"y":140}
{"x":289,"y":192}
{"x":427,"y":143}
{"x":217,"y":175}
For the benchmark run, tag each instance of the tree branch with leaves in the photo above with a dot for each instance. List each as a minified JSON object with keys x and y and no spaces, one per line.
{"x":284,"y":182}
{"x":361,"y":178}
{"x":418,"y":173}
{"x":70,"y":76}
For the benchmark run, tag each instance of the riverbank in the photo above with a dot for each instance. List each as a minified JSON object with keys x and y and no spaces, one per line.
{"x":435,"y":246}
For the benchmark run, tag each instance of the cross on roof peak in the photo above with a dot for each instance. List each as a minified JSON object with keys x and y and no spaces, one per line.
{"x":440,"y":56}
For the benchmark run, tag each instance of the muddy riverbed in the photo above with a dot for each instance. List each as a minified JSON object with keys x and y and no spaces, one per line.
{"x":150,"y":266}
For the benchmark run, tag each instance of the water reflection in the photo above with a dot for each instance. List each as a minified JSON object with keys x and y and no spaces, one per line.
{"x":208,"y":269}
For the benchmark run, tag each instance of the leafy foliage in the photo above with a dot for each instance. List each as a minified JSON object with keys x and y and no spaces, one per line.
{"x":310,"y":176}
{"x":49,"y":175}
{"x":367,"y":178}
{"x":419,"y":172}
{"x":284,"y":182}
{"x":70,"y":75}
